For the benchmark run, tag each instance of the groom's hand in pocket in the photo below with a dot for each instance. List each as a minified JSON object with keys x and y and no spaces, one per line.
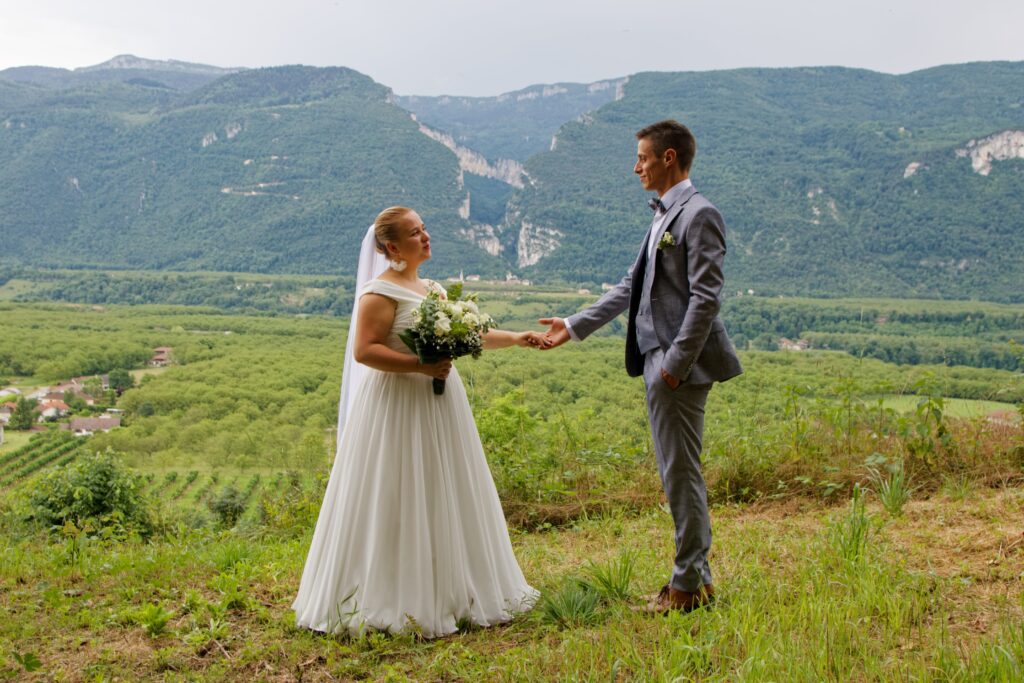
{"x":672,"y":382}
{"x":557,"y":334}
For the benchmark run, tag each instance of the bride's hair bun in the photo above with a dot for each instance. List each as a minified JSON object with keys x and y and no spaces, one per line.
{"x":388,"y":226}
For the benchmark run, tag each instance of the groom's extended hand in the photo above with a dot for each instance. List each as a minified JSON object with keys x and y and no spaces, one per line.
{"x":556,"y":334}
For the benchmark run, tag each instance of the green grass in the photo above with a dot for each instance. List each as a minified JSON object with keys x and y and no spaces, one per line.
{"x":16,"y":287}
{"x":139,"y":373}
{"x":13,"y":440}
{"x":915,"y":602}
{"x":954,"y":407}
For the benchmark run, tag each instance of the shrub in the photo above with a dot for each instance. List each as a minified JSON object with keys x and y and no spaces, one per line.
{"x":228,"y":505}
{"x":96,"y":488}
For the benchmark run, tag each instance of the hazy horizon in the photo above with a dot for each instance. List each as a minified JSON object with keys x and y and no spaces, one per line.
{"x":469,"y":49}
{"x":519,"y":88}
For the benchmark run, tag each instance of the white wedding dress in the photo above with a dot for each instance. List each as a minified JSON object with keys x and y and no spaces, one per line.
{"x":411,"y":534}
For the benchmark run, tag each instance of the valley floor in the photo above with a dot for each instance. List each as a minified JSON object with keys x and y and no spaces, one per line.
{"x":807,"y":592}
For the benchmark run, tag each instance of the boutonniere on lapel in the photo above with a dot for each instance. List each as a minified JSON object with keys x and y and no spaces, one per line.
{"x":666,"y":241}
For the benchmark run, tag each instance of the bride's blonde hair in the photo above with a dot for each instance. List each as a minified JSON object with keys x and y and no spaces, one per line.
{"x":387,"y":227}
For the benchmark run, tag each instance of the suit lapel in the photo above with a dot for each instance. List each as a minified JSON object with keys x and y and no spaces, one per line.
{"x":672,"y":212}
{"x":671,"y":215}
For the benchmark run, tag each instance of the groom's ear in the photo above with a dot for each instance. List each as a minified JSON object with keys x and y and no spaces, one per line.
{"x":670,"y":156}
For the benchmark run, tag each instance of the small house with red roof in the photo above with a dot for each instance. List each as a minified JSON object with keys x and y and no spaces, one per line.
{"x":52,"y":410}
{"x":161,"y":357}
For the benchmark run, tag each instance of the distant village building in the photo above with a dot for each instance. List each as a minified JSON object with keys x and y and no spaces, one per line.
{"x":85,"y":426}
{"x":52,"y":410}
{"x":75,"y":388}
{"x":6,"y":410}
{"x":790,"y":345}
{"x":161,"y":357}
{"x":10,"y":391}
{"x":79,"y":382}
{"x":605,"y":286}
{"x":511,"y":279}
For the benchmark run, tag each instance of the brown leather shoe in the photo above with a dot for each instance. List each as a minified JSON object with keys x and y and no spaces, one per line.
{"x":669,"y":600}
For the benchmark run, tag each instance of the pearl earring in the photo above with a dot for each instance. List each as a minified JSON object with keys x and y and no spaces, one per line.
{"x":398,"y":265}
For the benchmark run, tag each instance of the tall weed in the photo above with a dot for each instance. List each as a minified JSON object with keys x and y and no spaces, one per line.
{"x":570,"y":605}
{"x":611,"y":580}
{"x":849,"y":535}
{"x":892,"y":487}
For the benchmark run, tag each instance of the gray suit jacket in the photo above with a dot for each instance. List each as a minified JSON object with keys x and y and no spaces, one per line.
{"x":680,"y":292}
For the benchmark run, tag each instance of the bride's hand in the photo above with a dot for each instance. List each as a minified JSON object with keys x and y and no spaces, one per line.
{"x":438,"y":370}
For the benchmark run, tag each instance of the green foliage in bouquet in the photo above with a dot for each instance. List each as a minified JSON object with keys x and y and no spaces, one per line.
{"x":447,"y":327}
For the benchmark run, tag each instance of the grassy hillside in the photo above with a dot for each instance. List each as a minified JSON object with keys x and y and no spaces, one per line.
{"x":266,"y":170}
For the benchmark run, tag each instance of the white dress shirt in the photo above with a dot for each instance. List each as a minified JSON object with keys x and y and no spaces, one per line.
{"x":668,"y":199}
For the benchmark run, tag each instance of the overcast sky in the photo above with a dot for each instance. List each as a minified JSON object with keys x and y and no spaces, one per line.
{"x":481,"y":47}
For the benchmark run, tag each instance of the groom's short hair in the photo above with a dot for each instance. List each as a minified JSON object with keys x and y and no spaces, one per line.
{"x":670,"y":134}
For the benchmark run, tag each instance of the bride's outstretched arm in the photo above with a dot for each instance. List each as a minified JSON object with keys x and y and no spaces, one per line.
{"x":499,"y":339}
{"x":376,"y":316}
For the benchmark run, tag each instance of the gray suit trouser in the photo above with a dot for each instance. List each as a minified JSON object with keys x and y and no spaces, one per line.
{"x":677,"y":425}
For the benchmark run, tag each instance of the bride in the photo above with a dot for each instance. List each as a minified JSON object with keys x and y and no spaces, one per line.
{"x":411,"y":535}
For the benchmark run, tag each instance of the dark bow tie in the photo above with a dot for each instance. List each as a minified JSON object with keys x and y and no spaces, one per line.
{"x":656,"y":205}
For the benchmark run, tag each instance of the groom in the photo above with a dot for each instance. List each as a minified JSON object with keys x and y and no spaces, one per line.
{"x":675,"y":339}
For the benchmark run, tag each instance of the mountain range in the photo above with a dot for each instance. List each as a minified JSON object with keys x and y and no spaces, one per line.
{"x":833,"y":181}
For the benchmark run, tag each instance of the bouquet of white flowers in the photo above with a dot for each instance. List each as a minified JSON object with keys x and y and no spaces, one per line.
{"x":447,"y":328}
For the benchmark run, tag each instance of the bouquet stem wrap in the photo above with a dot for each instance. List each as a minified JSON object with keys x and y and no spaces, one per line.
{"x":446,"y":328}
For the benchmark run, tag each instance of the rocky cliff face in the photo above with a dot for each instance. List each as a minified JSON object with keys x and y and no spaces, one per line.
{"x":505,"y":170}
{"x":619,"y":84}
{"x":484,"y":236}
{"x":999,"y":147}
{"x":136,"y":63}
{"x":535,"y":242}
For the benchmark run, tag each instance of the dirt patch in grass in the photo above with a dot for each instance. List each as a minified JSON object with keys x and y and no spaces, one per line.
{"x":539,"y":516}
{"x":978,"y":544}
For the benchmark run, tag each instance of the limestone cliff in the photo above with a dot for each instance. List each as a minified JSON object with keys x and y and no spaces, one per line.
{"x":535,"y":242}
{"x":999,"y":147}
{"x":505,"y":170}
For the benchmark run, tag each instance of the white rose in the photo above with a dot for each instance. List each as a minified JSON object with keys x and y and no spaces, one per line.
{"x":442,"y":325}
{"x":471,"y":319}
